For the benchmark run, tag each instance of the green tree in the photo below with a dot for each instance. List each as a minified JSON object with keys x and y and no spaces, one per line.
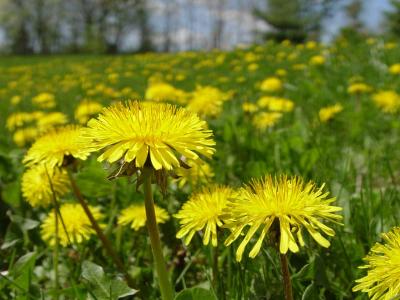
{"x":393,"y":18}
{"x":295,"y":20}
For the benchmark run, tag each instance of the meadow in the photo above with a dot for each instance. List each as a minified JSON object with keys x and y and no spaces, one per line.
{"x":325,"y":113}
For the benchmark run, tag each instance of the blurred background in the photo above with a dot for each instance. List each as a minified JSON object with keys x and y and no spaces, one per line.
{"x":118,"y":26}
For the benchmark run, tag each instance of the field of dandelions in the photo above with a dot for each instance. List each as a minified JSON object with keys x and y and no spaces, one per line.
{"x":268,"y":172}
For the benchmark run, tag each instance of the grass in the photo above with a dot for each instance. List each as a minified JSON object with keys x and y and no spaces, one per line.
{"x":355,"y":154}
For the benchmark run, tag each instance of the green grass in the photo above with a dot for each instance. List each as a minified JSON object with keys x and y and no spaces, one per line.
{"x":356,"y":155}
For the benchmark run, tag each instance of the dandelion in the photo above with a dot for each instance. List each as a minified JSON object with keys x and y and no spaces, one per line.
{"x":266,"y":120}
{"x":50,"y":120}
{"x":383,"y":269}
{"x":87,"y":109}
{"x":394,"y":69}
{"x":135,"y":215}
{"x":24,"y":136}
{"x":358,"y":88}
{"x":249,"y":107}
{"x":150,"y":137}
{"x":161,"y":91}
{"x":328,"y":113}
{"x":39,"y":182}
{"x":15,"y":100}
{"x":317,"y":60}
{"x":55,"y":146}
{"x":155,"y":133}
{"x":198,"y":173}
{"x":207,"y":101}
{"x":44,"y":100}
{"x":286,"y":205}
{"x":204,"y":209}
{"x":271,"y":84}
{"x":19,"y":119}
{"x":77,"y":225}
{"x":277,"y":104}
{"x":388,"y":101}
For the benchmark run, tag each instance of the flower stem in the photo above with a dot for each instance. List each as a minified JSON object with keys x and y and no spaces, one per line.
{"x":105,"y":241}
{"x":287,"y":283}
{"x":55,"y":255}
{"x":165,"y":285}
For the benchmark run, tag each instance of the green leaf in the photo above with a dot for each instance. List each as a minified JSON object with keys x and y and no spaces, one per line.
{"x":22,"y":271}
{"x":104,"y":288}
{"x":195,"y":293}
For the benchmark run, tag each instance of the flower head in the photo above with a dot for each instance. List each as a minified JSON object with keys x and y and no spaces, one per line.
{"x":383,"y":266}
{"x":25,"y":135}
{"x":50,"y":120}
{"x":77,"y":225}
{"x":198,"y":173}
{"x":86,"y":109}
{"x":358,"y":88}
{"x":207,"y":101}
{"x":394,"y":69}
{"x":135,"y":215}
{"x":264,"y":120}
{"x":204,"y":209}
{"x":285,"y":203}
{"x":276,"y":103}
{"x":44,"y":100}
{"x":329,"y":112}
{"x":39,"y":182}
{"x":161,"y":91}
{"x":388,"y":101}
{"x":317,"y":60}
{"x":52,"y":148}
{"x":271,"y":84}
{"x":153,"y":132}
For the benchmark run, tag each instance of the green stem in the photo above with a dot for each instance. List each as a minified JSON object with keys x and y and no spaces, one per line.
{"x":167,"y":292}
{"x":105,"y":241}
{"x":215,"y":271}
{"x":55,"y":255}
{"x":57,"y":241}
{"x":287,"y":283}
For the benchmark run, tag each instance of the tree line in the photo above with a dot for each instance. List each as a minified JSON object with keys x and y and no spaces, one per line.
{"x":107,"y":26}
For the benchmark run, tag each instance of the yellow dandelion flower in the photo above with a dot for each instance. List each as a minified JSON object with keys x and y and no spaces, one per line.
{"x":249,"y":107}
{"x":54,"y":146}
{"x":37,"y":184}
{"x":15,"y":100}
{"x":388,"y":101}
{"x":358,"y":88}
{"x":158,"y":131}
{"x":161,"y":91}
{"x":266,"y":120}
{"x":135,"y":215}
{"x":19,"y":119}
{"x":394,"y":69}
{"x":199,"y":173}
{"x":276,"y":103}
{"x":204,"y":209}
{"x":24,"y":136}
{"x":207,"y":101}
{"x":87,"y":109}
{"x":317,"y":60}
{"x":44,"y":100}
{"x":50,"y":120}
{"x":271,"y":84}
{"x":77,"y":225}
{"x":286,"y":203}
{"x":383,"y":266}
{"x":328,"y":113}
